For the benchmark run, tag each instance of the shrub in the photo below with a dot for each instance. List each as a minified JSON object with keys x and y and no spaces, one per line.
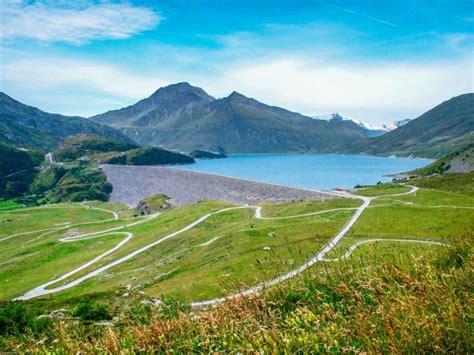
{"x":16,"y":317}
{"x":92,"y":310}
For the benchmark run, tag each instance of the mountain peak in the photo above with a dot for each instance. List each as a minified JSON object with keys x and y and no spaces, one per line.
{"x":182,"y":88}
{"x":236,"y":94}
{"x":237,"y":97}
{"x":184,"y":85}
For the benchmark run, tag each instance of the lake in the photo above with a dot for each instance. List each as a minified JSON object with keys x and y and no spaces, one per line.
{"x":313,"y":171}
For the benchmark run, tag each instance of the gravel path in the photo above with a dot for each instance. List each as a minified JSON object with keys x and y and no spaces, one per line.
{"x":133,"y":183}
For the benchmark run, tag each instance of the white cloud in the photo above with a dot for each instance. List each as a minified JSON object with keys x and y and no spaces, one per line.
{"x":75,"y":75}
{"x":459,"y":41}
{"x":377,"y":93}
{"x":74,"y":22}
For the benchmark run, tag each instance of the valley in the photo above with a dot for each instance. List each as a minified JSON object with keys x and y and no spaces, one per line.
{"x":105,"y":233}
{"x":236,"y":177}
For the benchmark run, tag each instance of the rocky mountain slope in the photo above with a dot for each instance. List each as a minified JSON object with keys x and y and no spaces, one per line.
{"x":185,"y":118}
{"x":28,"y":126}
{"x":461,"y":161}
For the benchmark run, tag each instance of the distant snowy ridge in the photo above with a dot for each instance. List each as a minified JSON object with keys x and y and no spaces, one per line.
{"x":384,"y":128}
{"x":370,"y":130}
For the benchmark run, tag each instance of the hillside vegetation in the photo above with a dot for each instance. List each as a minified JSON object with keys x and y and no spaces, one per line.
{"x":460,"y":161}
{"x":203,"y":154}
{"x":74,"y":182}
{"x":100,"y":150}
{"x":79,"y":146}
{"x":407,"y":289}
{"x":17,"y":170}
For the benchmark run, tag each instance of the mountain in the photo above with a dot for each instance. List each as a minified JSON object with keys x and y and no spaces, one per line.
{"x":438,"y":132}
{"x":28,"y":126}
{"x":369,"y":130}
{"x":165,"y":104}
{"x":183,"y":117}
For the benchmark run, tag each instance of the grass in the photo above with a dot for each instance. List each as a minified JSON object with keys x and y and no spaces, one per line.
{"x":8,"y":205}
{"x":387,"y":297}
{"x":456,"y":183}
{"x":428,"y":198}
{"x":237,"y":254}
{"x":54,"y":216}
{"x":409,"y":221}
{"x":363,"y":305}
{"x":235,"y":259}
{"x":382,"y":189}
{"x":303,"y":207}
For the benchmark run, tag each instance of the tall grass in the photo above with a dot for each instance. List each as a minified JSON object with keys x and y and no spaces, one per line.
{"x":368,"y":305}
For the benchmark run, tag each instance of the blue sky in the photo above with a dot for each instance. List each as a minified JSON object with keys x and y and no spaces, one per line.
{"x":377,"y":61}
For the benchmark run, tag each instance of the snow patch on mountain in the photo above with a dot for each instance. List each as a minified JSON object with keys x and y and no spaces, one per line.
{"x":367,"y":126}
{"x":394,"y":125}
{"x":370,"y":130}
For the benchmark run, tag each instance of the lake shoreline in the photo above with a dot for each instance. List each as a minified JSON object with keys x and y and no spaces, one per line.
{"x":311,"y":171}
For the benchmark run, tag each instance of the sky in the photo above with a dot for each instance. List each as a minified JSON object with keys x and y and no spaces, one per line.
{"x":374,"y":60}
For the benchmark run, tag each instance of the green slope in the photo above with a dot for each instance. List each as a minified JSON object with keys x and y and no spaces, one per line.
{"x":461,"y":161}
{"x":100,"y":150}
{"x":388,"y":296}
{"x":27,"y":126}
{"x":18,"y":168}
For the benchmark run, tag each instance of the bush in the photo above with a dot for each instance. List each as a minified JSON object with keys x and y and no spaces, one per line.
{"x":156,"y":156}
{"x":120,"y":160}
{"x":17,"y":171}
{"x":79,"y":145}
{"x":16,"y":317}
{"x":93,"y":311}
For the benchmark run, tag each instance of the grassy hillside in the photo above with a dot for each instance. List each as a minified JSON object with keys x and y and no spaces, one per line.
{"x":156,"y":156}
{"x":395,"y":293}
{"x":17,"y":170}
{"x":461,"y":161}
{"x":81,"y":145}
{"x":73,"y":182}
{"x":456,"y":183}
{"x":442,"y":130}
{"x":100,"y":150}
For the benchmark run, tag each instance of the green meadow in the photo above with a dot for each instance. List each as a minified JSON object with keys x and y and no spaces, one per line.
{"x":230,"y":252}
